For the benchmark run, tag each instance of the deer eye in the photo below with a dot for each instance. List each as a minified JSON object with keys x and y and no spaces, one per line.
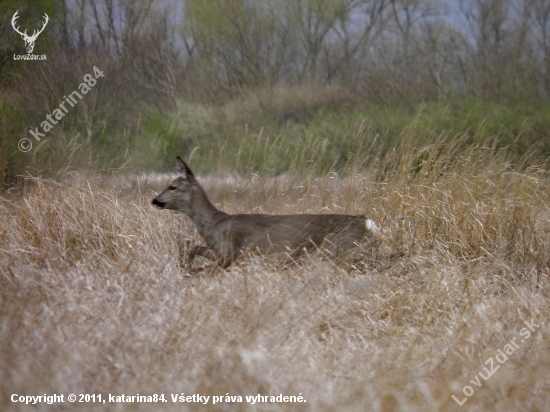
{"x":172,"y":188}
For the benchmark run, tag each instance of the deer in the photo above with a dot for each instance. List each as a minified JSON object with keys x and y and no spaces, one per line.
{"x":229,"y":236}
{"x":29,"y":40}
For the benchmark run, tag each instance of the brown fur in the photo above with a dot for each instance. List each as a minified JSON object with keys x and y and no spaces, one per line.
{"x":228,"y":236}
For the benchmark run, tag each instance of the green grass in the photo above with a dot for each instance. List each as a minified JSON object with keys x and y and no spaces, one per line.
{"x":275,"y":131}
{"x":250,"y":139}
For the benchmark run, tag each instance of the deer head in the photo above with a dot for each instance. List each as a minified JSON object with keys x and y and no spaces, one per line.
{"x":184,"y":193}
{"x":29,"y":40}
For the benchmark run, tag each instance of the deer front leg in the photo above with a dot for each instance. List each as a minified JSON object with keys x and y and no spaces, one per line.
{"x":222,"y":261}
{"x":298,"y":251}
{"x":203,"y":251}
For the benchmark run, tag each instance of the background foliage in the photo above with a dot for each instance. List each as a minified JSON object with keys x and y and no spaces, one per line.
{"x":259,"y":83}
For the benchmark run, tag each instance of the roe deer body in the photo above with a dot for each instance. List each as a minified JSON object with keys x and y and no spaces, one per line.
{"x":228,"y":236}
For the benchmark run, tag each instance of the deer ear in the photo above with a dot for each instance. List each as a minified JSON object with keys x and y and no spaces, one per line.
{"x":183,"y":169}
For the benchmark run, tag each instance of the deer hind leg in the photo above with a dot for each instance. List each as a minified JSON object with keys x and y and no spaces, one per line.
{"x":225,"y":261}
{"x":297,"y":252}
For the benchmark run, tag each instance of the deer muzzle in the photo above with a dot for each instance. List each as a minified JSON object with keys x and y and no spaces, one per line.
{"x":158,"y":204}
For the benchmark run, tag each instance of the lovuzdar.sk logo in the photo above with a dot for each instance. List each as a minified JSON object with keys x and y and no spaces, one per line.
{"x":29,"y":40}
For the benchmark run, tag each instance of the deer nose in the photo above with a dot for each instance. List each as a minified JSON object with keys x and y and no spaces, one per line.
{"x":158,"y":204}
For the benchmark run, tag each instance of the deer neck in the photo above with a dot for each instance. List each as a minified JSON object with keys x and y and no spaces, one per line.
{"x":204,"y":214}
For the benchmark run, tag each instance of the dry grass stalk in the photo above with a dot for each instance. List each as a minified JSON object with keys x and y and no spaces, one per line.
{"x":93,"y":299}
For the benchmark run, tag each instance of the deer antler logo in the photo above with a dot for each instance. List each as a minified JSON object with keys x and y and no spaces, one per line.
{"x":29,"y":40}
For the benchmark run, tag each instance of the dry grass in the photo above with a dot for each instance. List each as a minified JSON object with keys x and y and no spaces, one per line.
{"x":92,"y":299}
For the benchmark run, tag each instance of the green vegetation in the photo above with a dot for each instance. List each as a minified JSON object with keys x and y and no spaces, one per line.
{"x":268,"y":87}
{"x":245,"y":136}
{"x":250,"y":136}
{"x":252,"y":139}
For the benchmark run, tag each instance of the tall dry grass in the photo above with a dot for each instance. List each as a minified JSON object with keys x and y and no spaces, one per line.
{"x":92,"y":298}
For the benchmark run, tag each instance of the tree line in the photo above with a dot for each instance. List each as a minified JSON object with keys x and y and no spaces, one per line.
{"x":389,"y":50}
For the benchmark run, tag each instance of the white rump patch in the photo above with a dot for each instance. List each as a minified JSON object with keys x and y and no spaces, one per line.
{"x":371,"y":226}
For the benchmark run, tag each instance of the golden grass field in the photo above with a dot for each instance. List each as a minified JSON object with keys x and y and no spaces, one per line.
{"x":93,"y":300}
